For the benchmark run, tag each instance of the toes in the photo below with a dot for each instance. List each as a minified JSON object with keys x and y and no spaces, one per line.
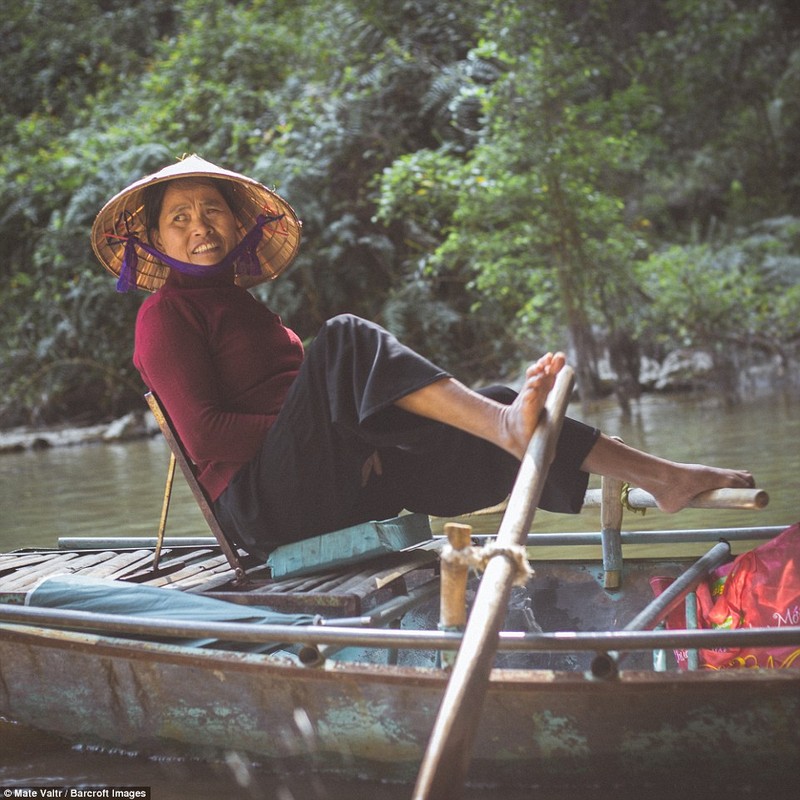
{"x":539,"y":367}
{"x":549,"y":364}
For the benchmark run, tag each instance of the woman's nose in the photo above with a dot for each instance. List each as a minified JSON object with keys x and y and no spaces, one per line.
{"x":203,"y":225}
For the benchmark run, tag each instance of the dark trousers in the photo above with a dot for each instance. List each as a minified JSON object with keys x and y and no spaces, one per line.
{"x":307,"y":478}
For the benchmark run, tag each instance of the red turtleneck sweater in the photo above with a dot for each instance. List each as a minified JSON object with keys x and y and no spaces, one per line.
{"x":221,"y":363}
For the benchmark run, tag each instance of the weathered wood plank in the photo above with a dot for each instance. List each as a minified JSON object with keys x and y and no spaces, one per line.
{"x":188,"y":571}
{"x":29,"y":575}
{"x":12,"y":563}
{"x":206,"y":571}
{"x":123,"y":563}
{"x":170,"y":563}
{"x":67,"y":564}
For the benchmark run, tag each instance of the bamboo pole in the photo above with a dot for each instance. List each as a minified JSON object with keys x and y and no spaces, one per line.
{"x":162,"y":525}
{"x":611,"y":511}
{"x":454,"y":568}
{"x":742,"y":499}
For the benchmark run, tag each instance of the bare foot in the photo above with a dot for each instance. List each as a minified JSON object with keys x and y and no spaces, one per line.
{"x":671,"y":483}
{"x":522,"y":416}
{"x":686,"y":481}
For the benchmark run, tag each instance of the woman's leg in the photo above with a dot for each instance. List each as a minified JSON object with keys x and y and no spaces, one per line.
{"x":317,"y":470}
{"x":309,"y":474}
{"x":456,"y":473}
{"x":352,"y":399}
{"x":510,"y":427}
{"x":672,"y":484}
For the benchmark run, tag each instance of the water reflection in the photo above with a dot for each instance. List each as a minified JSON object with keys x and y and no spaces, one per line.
{"x":117,"y":490}
{"x":92,"y":490}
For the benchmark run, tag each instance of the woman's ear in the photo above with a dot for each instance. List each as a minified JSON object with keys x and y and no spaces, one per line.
{"x":154,"y":238}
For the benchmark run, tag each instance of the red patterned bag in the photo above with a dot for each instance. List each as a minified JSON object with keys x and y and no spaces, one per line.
{"x":759,"y":589}
{"x":762,"y":590}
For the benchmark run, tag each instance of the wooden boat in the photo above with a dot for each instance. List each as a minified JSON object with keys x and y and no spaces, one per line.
{"x":580,"y":687}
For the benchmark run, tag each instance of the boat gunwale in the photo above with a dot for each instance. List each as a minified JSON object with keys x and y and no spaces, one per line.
{"x":504,"y":678}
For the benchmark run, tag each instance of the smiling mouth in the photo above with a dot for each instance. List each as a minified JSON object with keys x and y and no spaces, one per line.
{"x":204,"y":248}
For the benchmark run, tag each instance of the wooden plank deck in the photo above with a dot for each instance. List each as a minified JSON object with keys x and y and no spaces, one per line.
{"x":349,"y":592}
{"x":205,"y":570}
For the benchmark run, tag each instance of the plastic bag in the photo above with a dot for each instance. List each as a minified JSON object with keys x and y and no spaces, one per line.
{"x":758,"y":589}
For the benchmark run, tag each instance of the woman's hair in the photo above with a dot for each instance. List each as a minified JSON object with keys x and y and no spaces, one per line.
{"x":154,"y":198}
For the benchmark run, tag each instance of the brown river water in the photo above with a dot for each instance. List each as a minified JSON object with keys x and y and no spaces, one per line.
{"x":117,"y":490}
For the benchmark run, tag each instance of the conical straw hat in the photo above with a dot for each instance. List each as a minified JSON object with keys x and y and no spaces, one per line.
{"x":123,"y":216}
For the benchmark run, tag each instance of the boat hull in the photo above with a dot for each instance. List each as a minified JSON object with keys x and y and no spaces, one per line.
{"x":372,"y":720}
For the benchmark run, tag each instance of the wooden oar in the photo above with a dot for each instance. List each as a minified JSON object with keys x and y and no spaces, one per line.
{"x":446,"y":761}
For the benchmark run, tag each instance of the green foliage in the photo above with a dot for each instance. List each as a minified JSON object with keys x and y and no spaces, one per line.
{"x":385,"y":95}
{"x":726,"y":78}
{"x":488,"y":179}
{"x":55,"y":54}
{"x":540,"y":221}
{"x":213,"y":88}
{"x":729,"y":299}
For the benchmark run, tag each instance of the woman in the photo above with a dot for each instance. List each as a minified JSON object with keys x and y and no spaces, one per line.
{"x":289,"y":445}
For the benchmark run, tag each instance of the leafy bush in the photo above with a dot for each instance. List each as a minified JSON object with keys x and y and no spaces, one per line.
{"x":732,"y":300}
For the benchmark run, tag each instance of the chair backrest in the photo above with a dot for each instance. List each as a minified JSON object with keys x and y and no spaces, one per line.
{"x":190,"y":473}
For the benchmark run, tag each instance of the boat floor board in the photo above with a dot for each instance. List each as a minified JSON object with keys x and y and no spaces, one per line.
{"x":205,"y":570}
{"x":344,"y":592}
{"x":14,"y":563}
{"x":176,"y":571}
{"x":71,"y":563}
{"x":125,"y":563}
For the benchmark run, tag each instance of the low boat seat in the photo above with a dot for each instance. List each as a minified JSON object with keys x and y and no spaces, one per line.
{"x":320,"y":554}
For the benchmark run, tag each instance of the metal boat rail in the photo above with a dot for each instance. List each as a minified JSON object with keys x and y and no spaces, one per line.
{"x":367,"y":630}
{"x":533,"y":540}
{"x":330,"y":634}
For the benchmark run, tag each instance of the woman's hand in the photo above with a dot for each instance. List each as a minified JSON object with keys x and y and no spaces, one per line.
{"x":372,"y":464}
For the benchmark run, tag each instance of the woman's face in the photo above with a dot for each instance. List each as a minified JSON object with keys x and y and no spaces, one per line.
{"x":195,"y":225}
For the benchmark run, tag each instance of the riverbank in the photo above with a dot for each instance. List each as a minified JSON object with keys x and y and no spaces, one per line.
{"x":682,"y":373}
{"x":132,"y":426}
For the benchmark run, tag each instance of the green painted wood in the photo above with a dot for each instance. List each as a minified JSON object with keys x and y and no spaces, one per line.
{"x":349,"y":545}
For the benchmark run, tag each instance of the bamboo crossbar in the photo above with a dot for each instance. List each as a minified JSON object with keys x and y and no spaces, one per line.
{"x":742,"y":499}
{"x":716,"y":498}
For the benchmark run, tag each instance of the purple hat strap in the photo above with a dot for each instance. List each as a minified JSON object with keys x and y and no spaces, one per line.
{"x":244,"y":255}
